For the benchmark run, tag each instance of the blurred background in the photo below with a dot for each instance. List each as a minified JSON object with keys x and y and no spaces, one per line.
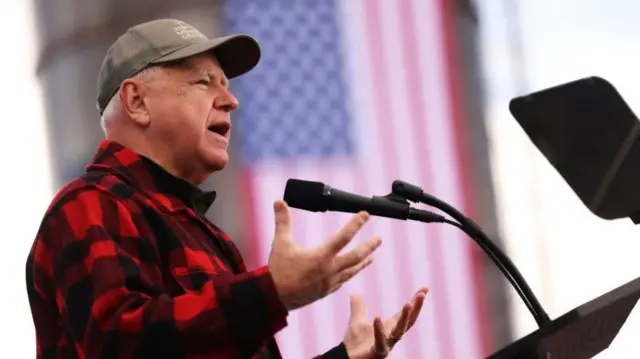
{"x":353,"y":93}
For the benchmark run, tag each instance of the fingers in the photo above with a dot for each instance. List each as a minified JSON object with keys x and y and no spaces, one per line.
{"x":401,"y":325}
{"x":358,"y":309}
{"x":283,"y":220}
{"x":350,"y":272}
{"x":418,"y":301}
{"x":358,"y":254}
{"x":401,"y":322}
{"x":336,"y":243}
{"x":382,"y":346}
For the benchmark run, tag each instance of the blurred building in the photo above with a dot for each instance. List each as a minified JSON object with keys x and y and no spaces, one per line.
{"x":74,"y":36}
{"x":471,"y":89}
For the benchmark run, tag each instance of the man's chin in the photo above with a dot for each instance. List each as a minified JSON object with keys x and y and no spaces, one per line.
{"x":216,"y":161}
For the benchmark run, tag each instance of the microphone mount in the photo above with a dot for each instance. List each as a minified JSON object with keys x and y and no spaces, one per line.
{"x":402,"y":204}
{"x":413,"y":193}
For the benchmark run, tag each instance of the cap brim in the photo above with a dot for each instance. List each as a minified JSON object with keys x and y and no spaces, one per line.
{"x":237,"y":54}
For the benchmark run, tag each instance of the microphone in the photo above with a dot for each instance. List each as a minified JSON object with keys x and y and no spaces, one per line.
{"x":319,"y":197}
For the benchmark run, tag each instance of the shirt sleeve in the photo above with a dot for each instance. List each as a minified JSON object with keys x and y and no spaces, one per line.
{"x":337,"y":352}
{"x":109,"y":290}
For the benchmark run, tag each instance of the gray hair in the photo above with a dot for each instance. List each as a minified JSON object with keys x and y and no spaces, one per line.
{"x":108,"y":111}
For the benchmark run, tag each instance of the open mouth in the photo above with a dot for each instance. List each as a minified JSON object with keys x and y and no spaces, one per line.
{"x":221,"y":128}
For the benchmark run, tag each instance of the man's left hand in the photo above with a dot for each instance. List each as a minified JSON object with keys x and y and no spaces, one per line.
{"x":366,"y":341}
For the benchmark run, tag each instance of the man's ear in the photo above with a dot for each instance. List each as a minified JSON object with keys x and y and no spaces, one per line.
{"x":132,"y":97}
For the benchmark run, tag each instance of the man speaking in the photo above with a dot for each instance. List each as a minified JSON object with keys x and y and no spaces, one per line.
{"x":125,"y":265}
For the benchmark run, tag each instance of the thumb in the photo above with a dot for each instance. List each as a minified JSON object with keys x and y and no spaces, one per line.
{"x":358,"y":309}
{"x":283,"y":221}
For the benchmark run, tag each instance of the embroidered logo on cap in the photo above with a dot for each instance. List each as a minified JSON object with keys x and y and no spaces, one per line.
{"x":187,"y":31}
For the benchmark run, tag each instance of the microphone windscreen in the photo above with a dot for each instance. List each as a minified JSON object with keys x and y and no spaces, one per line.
{"x":305,"y":195}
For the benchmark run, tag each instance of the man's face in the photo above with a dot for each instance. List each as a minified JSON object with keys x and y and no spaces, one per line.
{"x":189,"y":109}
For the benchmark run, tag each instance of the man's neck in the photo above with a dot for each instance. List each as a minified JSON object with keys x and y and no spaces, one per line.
{"x":165,"y":159}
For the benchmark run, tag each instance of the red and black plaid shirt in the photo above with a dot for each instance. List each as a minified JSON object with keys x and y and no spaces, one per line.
{"x":125,"y":265}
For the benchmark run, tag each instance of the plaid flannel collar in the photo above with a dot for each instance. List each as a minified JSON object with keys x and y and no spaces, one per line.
{"x":170,"y":192}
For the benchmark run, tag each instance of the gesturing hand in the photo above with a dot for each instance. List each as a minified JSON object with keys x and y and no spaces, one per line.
{"x":366,"y":341}
{"x":303,"y":276}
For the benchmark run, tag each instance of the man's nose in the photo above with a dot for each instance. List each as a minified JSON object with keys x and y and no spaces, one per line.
{"x":226,"y":101}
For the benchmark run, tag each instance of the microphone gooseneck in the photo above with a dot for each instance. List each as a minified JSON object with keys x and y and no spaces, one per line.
{"x":414,"y":193}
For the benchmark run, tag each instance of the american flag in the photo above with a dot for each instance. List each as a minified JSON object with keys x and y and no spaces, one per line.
{"x":356,"y":94}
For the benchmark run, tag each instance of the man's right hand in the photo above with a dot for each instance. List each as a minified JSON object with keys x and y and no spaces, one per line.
{"x":302,"y":275}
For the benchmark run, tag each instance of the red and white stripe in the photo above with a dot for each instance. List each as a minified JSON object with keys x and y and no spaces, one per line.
{"x":397,"y":54}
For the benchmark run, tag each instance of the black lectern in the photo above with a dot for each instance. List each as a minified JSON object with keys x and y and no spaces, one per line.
{"x":581,"y":333}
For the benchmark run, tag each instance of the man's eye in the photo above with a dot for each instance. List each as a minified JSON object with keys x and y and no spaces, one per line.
{"x":203,"y":82}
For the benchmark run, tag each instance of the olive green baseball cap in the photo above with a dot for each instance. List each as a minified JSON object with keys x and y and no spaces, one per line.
{"x":166,"y":40}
